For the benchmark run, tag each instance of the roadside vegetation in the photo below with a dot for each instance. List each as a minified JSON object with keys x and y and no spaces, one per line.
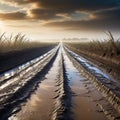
{"x":109,"y":47}
{"x":106,"y":52}
{"x":18,"y":42}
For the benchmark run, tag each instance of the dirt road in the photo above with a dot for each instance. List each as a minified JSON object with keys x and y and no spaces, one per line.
{"x":55,"y":87}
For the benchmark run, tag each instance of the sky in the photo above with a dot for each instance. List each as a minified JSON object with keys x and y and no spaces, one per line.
{"x":58,"y":19}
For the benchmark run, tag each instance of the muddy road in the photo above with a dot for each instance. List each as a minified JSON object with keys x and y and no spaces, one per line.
{"x":59,"y":85}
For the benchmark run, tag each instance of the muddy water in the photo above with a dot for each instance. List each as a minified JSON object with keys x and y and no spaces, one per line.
{"x":40,"y":104}
{"x":85,"y":96}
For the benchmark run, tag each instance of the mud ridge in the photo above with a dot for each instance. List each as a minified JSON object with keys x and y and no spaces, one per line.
{"x":63,"y":103}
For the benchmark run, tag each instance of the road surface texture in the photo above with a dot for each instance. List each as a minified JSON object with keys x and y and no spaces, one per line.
{"x":59,"y":85}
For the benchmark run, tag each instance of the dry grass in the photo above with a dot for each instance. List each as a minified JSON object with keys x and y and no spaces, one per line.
{"x":105,"y":53}
{"x":17,"y":42}
{"x":109,"y":47}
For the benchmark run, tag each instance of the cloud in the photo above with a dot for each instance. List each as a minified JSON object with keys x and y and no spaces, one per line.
{"x":107,"y":19}
{"x":86,"y":25}
{"x":69,"y":14}
{"x":43,"y":14}
{"x":108,"y":14}
{"x":15,"y":2}
{"x":46,"y":8}
{"x":13,"y":16}
{"x":69,"y":4}
{"x":83,"y":5}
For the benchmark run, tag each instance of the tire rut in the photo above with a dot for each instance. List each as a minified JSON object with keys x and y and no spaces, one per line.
{"x":13,"y":102}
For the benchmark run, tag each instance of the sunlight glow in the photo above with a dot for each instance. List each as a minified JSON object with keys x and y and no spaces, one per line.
{"x":1,"y":24}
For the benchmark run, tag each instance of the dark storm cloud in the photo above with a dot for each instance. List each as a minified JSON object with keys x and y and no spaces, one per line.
{"x":110,"y":14}
{"x":13,"y":16}
{"x":108,"y":20}
{"x":43,"y":14}
{"x":105,"y":13}
{"x":85,"y":5}
{"x":70,"y":4}
{"x":50,"y":8}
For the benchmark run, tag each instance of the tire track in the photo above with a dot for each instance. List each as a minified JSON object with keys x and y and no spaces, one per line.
{"x":11,"y":104}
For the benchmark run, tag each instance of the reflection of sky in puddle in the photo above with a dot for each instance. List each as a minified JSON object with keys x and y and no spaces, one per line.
{"x":13,"y":118}
{"x":73,"y":74}
{"x":45,"y":86}
{"x":35,"y":100}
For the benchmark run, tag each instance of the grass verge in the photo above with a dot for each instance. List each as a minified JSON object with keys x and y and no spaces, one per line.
{"x":18,"y":42}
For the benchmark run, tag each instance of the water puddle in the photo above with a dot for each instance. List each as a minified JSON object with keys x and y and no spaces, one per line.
{"x":84,"y":104}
